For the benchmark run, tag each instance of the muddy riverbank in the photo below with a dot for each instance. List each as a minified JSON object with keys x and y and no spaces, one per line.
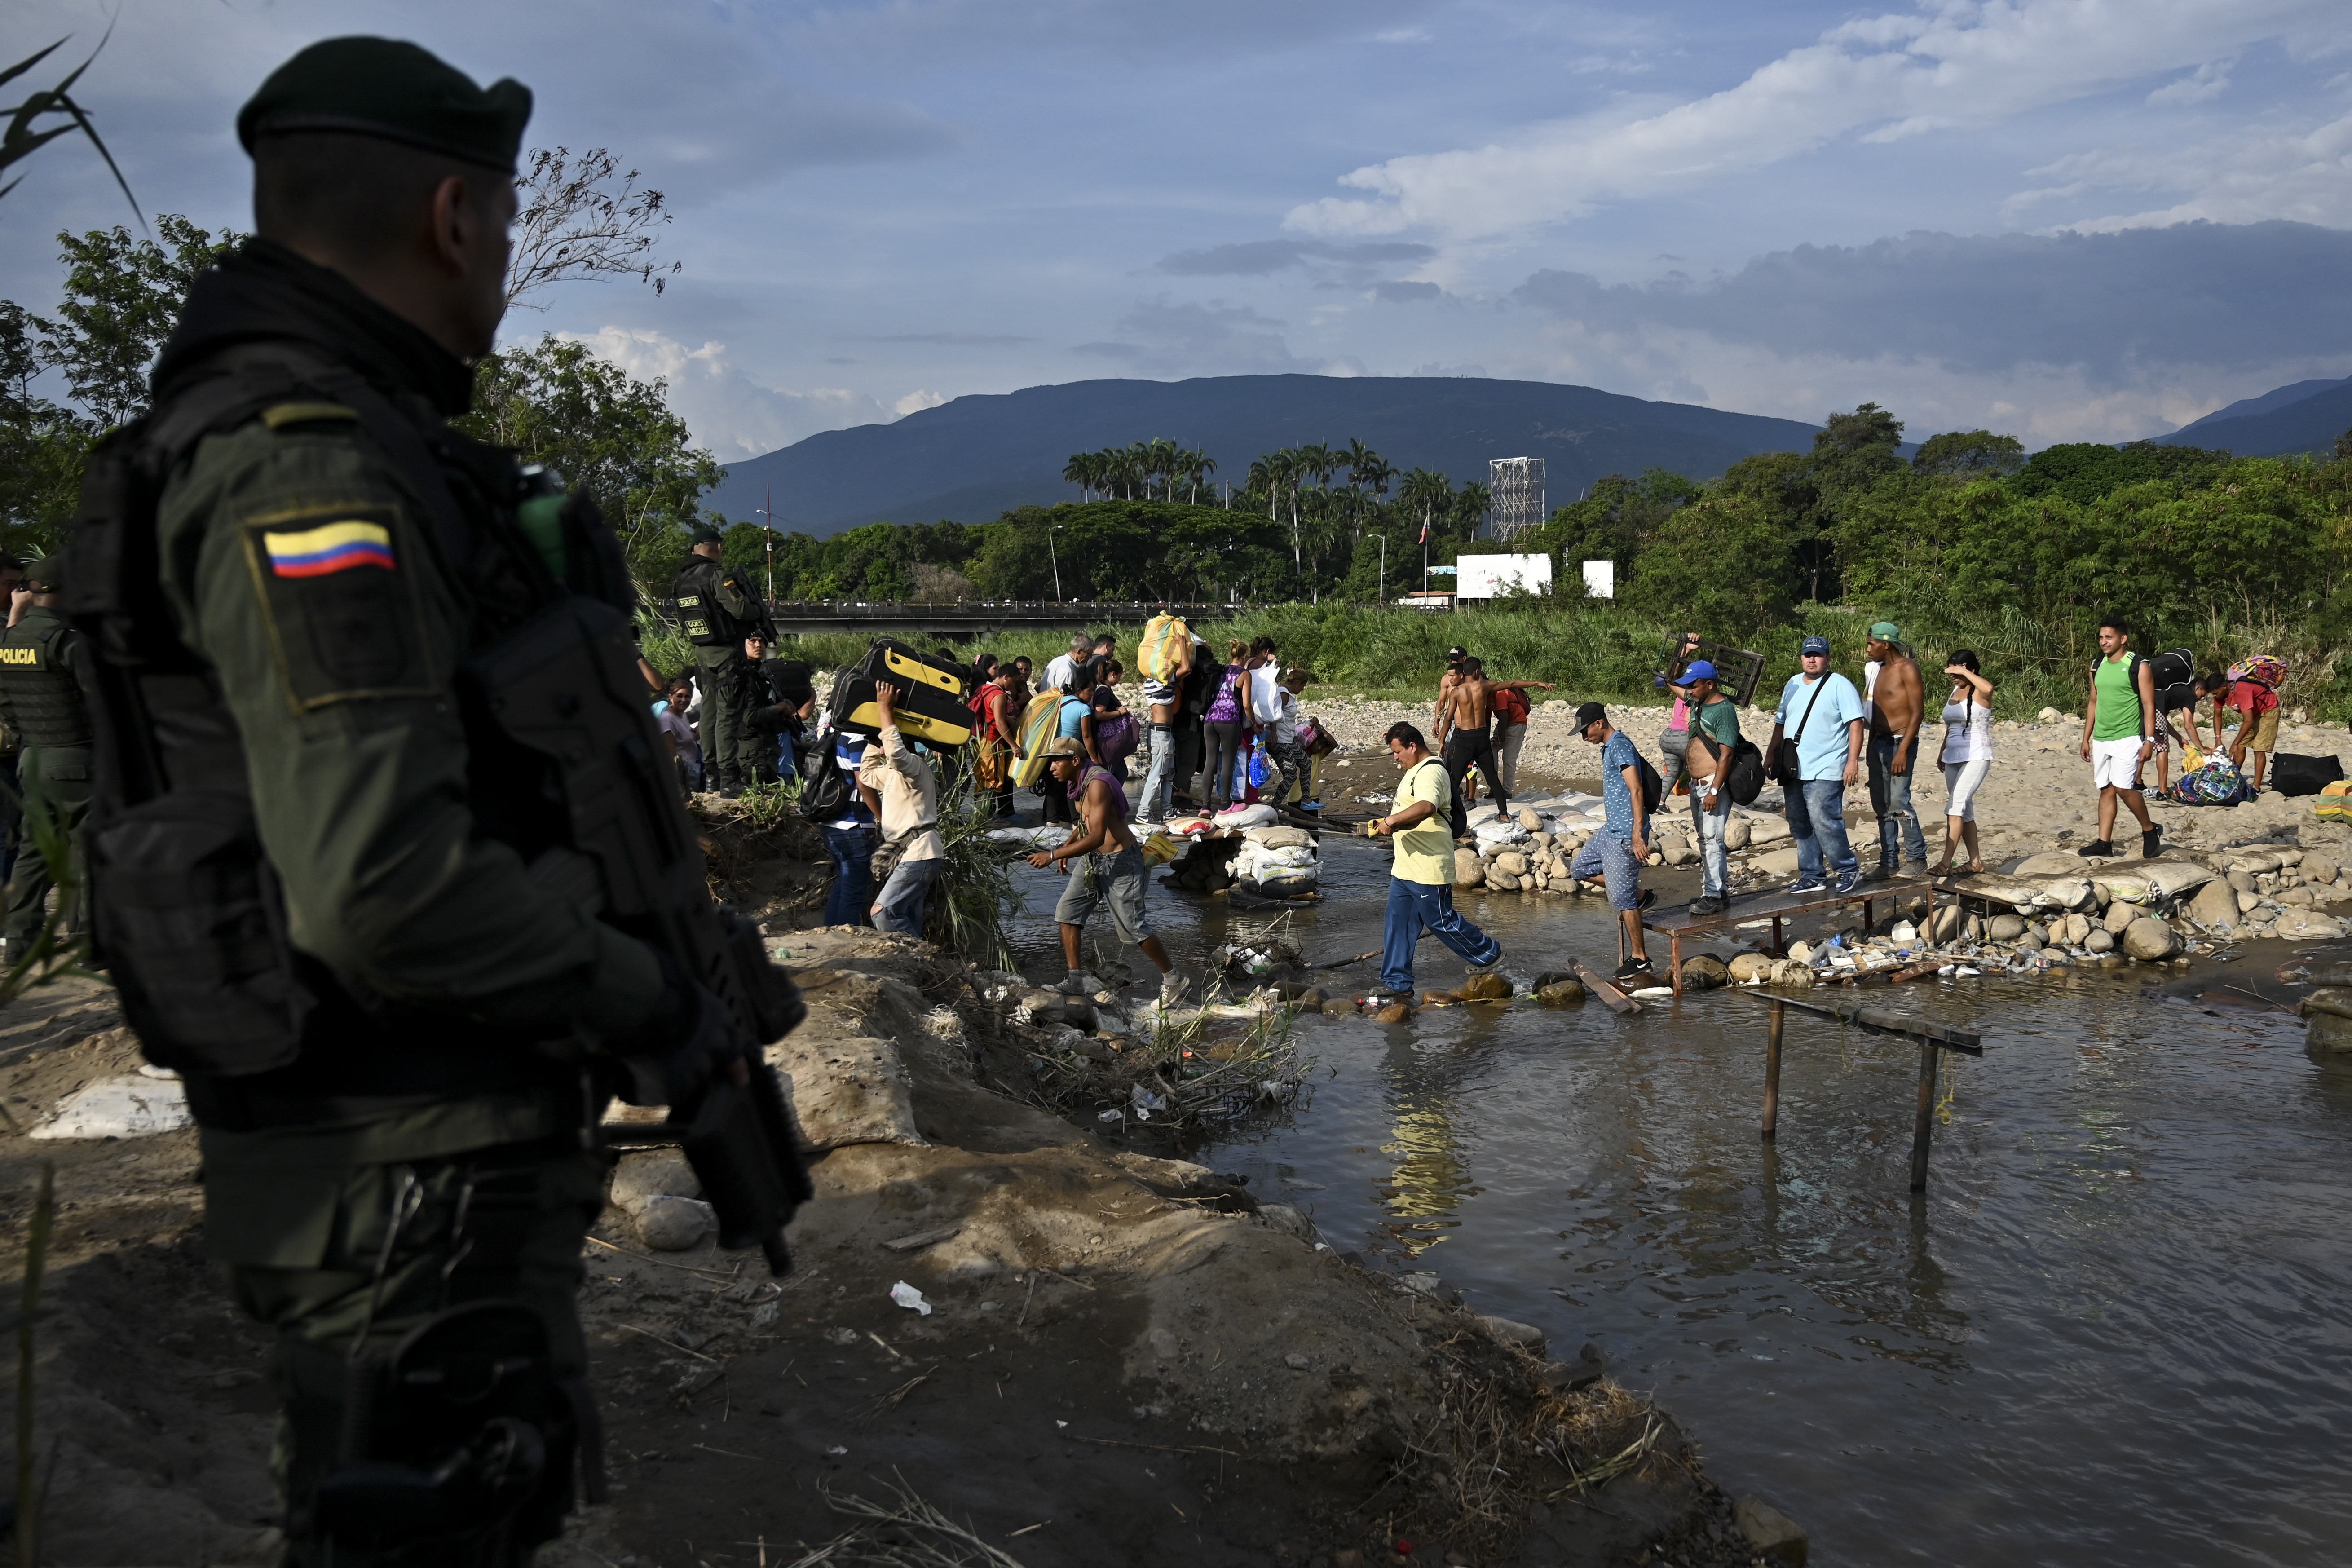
{"x":1126,"y":1358}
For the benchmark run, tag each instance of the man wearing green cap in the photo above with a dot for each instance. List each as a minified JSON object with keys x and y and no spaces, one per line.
{"x":373,"y":773}
{"x":41,"y":701}
{"x":1894,"y":699}
{"x":720,"y":612}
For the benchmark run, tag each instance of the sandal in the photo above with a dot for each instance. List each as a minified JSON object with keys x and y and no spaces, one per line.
{"x":1976,"y":868}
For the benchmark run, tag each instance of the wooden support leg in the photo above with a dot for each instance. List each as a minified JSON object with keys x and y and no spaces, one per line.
{"x":1772,"y":1072}
{"x":1675,"y":957}
{"x":1925,"y":1120}
{"x":1779,"y":948}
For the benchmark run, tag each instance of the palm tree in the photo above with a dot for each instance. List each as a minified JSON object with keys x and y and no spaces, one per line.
{"x":1367,"y":469}
{"x":1080,"y":471}
{"x":1472,"y":503}
{"x":1427,"y":489}
{"x":1198,"y":467}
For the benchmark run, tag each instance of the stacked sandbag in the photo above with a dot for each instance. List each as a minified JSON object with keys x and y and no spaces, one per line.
{"x":2328,"y":1011}
{"x":1277,"y":863}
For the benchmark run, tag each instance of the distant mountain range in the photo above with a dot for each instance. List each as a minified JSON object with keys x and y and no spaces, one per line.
{"x":968,"y":460}
{"x":2305,"y":416}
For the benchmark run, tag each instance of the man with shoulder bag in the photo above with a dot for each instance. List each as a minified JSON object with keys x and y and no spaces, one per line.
{"x":363,"y":695}
{"x":1816,"y":765}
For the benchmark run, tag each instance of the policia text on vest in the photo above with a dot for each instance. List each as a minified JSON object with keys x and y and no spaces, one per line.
{"x":719,"y":611}
{"x":41,"y":702}
{"x":383,"y":856}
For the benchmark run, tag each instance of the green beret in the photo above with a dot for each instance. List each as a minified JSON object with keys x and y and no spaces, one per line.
{"x":706,"y":534}
{"x":48,"y":573}
{"x":383,"y":86}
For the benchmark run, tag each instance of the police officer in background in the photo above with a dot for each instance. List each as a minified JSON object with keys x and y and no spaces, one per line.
{"x":722,"y":613}
{"x":42,"y":705}
{"x":337,"y":885}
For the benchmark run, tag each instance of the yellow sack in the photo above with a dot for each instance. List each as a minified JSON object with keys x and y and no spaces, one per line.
{"x":2335,"y":802}
{"x":1165,"y":638}
{"x":2192,"y":757}
{"x":1159,"y":850}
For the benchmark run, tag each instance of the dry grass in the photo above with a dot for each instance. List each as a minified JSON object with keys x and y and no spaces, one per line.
{"x":902,"y":1532}
{"x":1200,"y":1070}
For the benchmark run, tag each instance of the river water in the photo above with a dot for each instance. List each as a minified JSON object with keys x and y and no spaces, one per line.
{"x":2117,"y":1329}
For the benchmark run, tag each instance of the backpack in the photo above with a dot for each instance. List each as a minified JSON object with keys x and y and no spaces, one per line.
{"x":1454,"y":811}
{"x":824,"y":788}
{"x":2260,"y":669}
{"x":1744,"y":780}
{"x":1161,"y":648}
{"x":1654,"y":788}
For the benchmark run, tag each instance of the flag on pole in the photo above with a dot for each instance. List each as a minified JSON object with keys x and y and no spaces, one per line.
{"x":1425,"y":528}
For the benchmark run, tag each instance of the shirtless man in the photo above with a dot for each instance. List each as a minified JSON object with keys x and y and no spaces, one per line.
{"x":1113,"y":874}
{"x":1463,"y":710}
{"x":1896,"y":702}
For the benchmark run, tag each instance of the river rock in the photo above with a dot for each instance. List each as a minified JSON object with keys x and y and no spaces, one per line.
{"x":2006,"y":928}
{"x":2050,"y":863}
{"x":1511,"y":862}
{"x":1800,"y":952}
{"x":1286,"y":1219}
{"x":1770,"y":1533}
{"x":1703,"y":972}
{"x":2336,"y":999}
{"x":2073,"y":931}
{"x":2148,"y":939}
{"x":1788,"y":972}
{"x":1526,"y":1336}
{"x":1776,"y":862}
{"x":1948,"y":921}
{"x":1467,"y":871}
{"x":1501,"y":882}
{"x":1736,"y":833}
{"x":2319,"y":868}
{"x":2249,"y":901}
{"x":2215,"y":904}
{"x":2309,"y":925}
{"x":2327,"y":1032}
{"x":1560,"y":992}
{"x":1488,"y":987}
{"x":2241,"y":880}
{"x":2101,"y":939}
{"x":1768,"y":829}
{"x":651,"y":1173}
{"x":1750,"y":967}
{"x":667,"y":1223}
{"x":2119,"y":916}
{"x":1528,"y":819}
{"x":1394,"y":1012}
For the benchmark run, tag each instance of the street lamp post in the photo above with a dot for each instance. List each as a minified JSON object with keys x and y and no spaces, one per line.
{"x":1052,"y":528}
{"x":1384,"y":569}
{"x":768,"y":512}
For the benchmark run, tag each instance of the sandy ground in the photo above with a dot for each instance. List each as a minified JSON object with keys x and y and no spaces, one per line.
{"x":1129,"y":1359}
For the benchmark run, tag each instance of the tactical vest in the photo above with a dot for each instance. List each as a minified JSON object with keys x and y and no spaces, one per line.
{"x":709,"y":622}
{"x":42,"y":692}
{"x":565,"y":764}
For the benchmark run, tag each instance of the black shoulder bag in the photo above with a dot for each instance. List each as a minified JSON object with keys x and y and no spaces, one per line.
{"x":1782,"y":763}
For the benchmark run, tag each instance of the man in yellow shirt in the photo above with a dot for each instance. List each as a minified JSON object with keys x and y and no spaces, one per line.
{"x":1420,"y":887}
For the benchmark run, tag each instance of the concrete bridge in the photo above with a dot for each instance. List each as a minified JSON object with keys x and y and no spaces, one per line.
{"x":970,"y":619}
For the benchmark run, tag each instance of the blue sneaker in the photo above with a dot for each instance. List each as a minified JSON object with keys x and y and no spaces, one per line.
{"x":1849,"y":882}
{"x":1805,"y":885}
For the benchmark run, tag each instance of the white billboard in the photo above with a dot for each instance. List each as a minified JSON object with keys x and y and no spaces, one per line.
{"x":1492,"y":576}
{"x":1600,"y":579}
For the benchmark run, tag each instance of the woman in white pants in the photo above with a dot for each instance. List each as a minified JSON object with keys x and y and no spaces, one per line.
{"x":1967,"y":756}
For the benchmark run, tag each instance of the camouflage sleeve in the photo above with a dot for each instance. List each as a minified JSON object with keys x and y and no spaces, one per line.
{"x":302,"y":572}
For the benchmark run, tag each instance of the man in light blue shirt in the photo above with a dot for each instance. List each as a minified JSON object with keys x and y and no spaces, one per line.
{"x":1821,"y":715}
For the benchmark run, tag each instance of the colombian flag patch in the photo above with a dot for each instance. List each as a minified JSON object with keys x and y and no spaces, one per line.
{"x":336,"y":547}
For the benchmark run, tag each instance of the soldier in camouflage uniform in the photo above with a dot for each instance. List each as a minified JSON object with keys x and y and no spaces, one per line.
{"x":302,"y":772}
{"x":720,"y":613}
{"x":41,"y":704}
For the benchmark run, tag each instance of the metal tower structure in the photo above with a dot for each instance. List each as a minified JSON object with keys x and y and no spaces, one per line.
{"x":1518,"y":487}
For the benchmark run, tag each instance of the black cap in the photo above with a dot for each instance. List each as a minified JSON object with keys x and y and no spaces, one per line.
{"x":706,"y":534}
{"x":384,"y":86}
{"x":1588,"y":714}
{"x":1455,"y":655}
{"x":48,"y":573}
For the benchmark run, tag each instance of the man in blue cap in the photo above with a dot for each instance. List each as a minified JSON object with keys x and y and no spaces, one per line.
{"x":1825,"y":711}
{"x":1714,"y":738}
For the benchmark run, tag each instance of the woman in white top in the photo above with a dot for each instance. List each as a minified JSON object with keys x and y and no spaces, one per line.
{"x":1967,"y":756}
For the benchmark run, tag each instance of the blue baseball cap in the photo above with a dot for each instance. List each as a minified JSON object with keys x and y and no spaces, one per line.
{"x":1698,"y":670}
{"x":1816,"y":645}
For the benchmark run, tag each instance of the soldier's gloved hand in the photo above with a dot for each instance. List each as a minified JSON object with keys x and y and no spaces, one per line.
{"x":689,"y":1043}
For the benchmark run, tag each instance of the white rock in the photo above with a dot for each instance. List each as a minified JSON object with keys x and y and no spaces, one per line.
{"x":1736,"y":833}
{"x":846,"y":1092}
{"x":130,"y":1106}
{"x":2309,"y":925}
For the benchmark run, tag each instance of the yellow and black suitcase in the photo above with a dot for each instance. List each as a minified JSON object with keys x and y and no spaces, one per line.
{"x":927,"y":693}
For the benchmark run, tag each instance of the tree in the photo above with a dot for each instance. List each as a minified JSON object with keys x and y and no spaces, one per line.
{"x":41,"y":446}
{"x":122,"y":299}
{"x":1427,"y":491}
{"x":1969,"y":455}
{"x":583,"y":218}
{"x":1868,"y":427}
{"x":605,"y":433}
{"x":2344,"y":447}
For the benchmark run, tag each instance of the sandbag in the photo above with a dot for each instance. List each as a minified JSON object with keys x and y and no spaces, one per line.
{"x":2334,"y":802}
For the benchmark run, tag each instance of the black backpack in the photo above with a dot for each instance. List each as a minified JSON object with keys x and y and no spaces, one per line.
{"x":825,"y":790}
{"x":1654,"y":788}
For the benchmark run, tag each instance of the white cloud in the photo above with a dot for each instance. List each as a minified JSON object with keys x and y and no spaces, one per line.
{"x":1955,"y":64}
{"x":917,"y":401}
{"x":727,"y":412}
{"x":2242,"y":175}
{"x":2209,"y":80}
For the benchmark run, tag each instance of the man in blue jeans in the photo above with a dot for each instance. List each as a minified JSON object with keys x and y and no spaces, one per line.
{"x":1615,"y":853}
{"x":1420,"y":885}
{"x":1821,"y":714}
{"x":849,"y":840}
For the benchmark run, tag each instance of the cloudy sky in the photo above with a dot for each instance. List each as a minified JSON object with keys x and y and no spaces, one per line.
{"x":2069,"y":219}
